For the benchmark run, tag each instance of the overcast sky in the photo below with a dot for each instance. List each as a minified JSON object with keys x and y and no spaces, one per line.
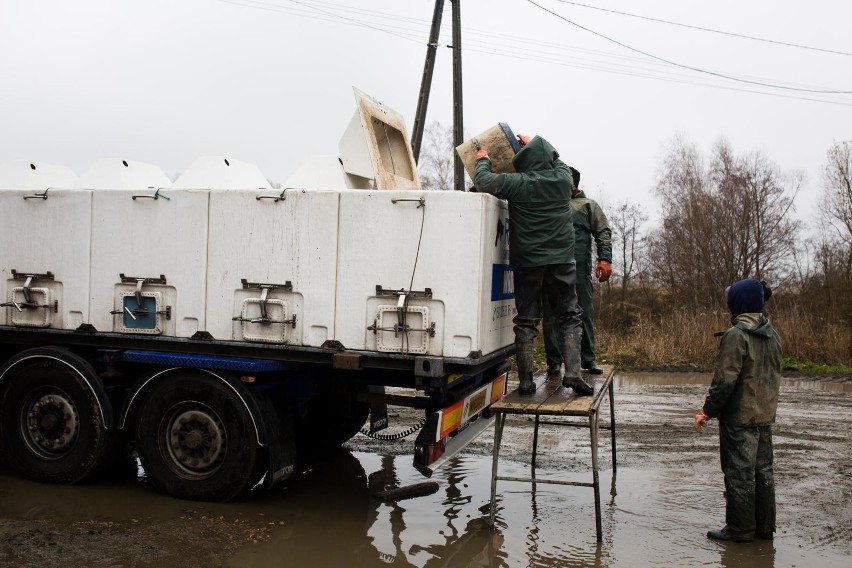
{"x":269,"y":81}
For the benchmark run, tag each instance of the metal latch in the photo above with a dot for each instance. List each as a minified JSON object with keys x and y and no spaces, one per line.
{"x":140,"y":309}
{"x":264,"y":318}
{"x":400,"y":328}
{"x":406,"y":294}
{"x":157,"y":195}
{"x":28,"y":303}
{"x":403,"y":297}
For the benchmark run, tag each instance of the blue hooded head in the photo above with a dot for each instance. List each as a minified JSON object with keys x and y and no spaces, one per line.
{"x":745,"y":297}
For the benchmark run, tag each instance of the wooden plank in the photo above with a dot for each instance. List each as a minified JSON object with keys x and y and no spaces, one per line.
{"x":552,"y":399}
{"x":581,"y":405}
{"x":515,"y":403}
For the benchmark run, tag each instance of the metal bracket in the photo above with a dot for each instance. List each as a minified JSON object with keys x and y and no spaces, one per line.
{"x":264,"y":293}
{"x":42,"y":195}
{"x":139,"y":283}
{"x":403,"y":296}
{"x":400,"y":328}
{"x":275,"y":198}
{"x":28,"y":303}
{"x":402,"y":292}
{"x":157,"y":195}
{"x":421,"y":201}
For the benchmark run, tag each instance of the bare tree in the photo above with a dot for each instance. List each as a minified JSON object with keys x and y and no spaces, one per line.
{"x":723,"y":221}
{"x":837,"y":181}
{"x":680,"y":250}
{"x":437,"y":156}
{"x":628,"y":242}
{"x":756,"y":232}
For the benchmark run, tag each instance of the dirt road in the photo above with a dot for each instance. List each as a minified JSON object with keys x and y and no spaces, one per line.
{"x":667,"y":494}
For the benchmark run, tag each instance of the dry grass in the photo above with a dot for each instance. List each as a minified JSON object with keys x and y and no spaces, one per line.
{"x":685,"y":338}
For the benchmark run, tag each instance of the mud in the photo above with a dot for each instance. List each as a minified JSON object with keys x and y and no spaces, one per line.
{"x":656,"y":511}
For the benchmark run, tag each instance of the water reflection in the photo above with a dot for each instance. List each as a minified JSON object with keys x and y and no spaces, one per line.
{"x":329,"y":518}
{"x":822,"y":384}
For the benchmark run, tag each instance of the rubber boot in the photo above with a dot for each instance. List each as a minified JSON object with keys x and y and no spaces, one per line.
{"x":524,"y":358}
{"x":571,"y":356}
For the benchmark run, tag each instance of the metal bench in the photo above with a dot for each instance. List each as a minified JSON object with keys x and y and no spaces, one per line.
{"x":551,"y":399}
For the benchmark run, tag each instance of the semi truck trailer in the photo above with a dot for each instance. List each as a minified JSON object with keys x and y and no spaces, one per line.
{"x":225,"y":331}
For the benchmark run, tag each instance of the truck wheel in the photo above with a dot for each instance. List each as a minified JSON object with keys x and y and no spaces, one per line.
{"x":52,"y":427}
{"x":196,"y":440}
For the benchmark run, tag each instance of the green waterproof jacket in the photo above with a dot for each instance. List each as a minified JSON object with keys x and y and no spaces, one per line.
{"x":541,"y":231}
{"x":590,"y":223}
{"x":745,"y":384}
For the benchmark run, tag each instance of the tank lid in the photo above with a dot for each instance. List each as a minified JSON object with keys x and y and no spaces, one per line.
{"x":219,"y":172}
{"x":22,"y":174}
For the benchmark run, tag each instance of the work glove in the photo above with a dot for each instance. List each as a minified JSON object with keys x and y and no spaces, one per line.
{"x":603,"y":270}
{"x":523,"y":140}
{"x":483,"y":153}
{"x":700,"y":420}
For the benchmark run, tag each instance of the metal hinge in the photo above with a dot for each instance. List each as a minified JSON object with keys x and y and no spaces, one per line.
{"x":403,"y":293}
{"x":403,"y":296}
{"x":264,"y":318}
{"x":140,"y":309}
{"x":28,"y":303}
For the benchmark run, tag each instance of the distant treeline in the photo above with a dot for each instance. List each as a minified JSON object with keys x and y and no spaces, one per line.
{"x":723,"y":218}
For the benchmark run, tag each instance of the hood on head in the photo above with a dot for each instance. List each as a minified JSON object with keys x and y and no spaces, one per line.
{"x":745,"y":297}
{"x":537,"y":155}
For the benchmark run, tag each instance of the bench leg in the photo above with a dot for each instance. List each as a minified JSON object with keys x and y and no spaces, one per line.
{"x":498,"y":435}
{"x":593,"y":429}
{"x":535,"y":444}
{"x":612,"y":422}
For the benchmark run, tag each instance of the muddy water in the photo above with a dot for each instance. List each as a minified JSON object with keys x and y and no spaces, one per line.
{"x":656,"y":511}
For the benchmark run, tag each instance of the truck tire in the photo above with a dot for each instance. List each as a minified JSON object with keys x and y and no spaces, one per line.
{"x":196,"y":439}
{"x":52,"y":425}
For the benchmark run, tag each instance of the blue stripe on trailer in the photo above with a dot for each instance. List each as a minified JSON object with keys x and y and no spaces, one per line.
{"x":204,"y":361}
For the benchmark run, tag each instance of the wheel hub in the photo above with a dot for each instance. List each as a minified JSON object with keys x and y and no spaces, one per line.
{"x":51,"y":424}
{"x":196,"y":439}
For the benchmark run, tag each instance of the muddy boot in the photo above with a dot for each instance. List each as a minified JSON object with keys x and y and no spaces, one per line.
{"x":571,"y":357}
{"x":524,"y":358}
{"x":554,"y":370}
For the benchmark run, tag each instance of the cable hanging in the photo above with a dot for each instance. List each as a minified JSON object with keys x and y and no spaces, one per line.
{"x":703,"y":29}
{"x":683,"y":66}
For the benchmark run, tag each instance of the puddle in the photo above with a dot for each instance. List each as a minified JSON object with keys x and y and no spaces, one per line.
{"x":704,"y":379}
{"x":650,"y":518}
{"x":656,"y":512}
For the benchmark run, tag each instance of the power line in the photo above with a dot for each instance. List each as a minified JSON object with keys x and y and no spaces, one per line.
{"x":411,"y":29}
{"x":683,"y":66}
{"x":703,"y":29}
{"x":330,"y":16}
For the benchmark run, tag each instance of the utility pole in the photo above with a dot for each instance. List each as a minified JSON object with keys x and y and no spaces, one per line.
{"x":426,"y":82}
{"x":426,"y":86}
{"x":458,"y":120}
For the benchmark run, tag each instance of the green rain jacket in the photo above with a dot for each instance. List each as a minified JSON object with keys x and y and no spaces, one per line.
{"x":590,"y":223}
{"x":541,"y":231}
{"x":745,"y":384}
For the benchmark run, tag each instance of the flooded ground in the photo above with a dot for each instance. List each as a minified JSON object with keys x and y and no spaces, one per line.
{"x":667,"y":494}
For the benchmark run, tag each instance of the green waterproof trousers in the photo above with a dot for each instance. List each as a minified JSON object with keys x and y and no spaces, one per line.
{"x":550,"y":331}
{"x":746,"y":455}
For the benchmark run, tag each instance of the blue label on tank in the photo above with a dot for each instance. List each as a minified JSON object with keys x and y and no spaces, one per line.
{"x":502,"y":282}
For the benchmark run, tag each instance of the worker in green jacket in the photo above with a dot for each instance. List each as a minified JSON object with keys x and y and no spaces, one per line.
{"x":541,"y":251}
{"x":744,"y":397}
{"x":590,"y":223}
